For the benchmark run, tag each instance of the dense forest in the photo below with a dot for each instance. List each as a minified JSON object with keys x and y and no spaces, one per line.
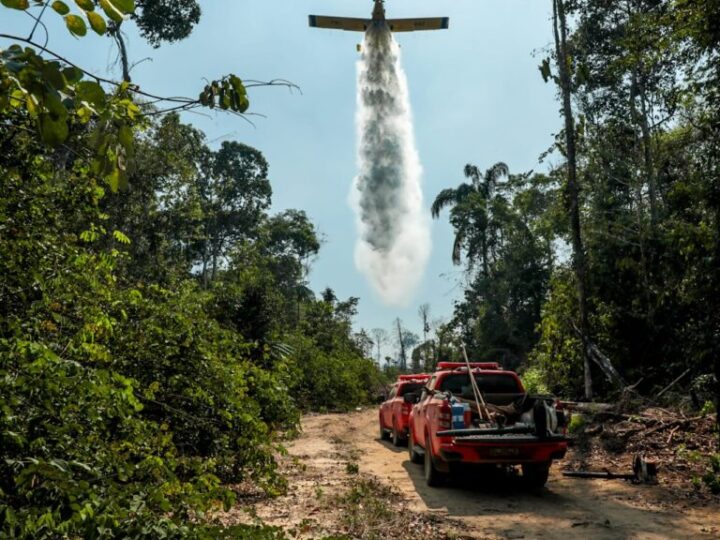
{"x":603,"y":272}
{"x":158,"y":337}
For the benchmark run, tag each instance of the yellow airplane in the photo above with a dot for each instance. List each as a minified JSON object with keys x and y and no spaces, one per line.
{"x":378,"y":19}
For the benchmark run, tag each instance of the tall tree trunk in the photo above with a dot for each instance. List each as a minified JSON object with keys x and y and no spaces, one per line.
{"x":205,"y":266}
{"x":648,"y":155}
{"x":403,"y":357}
{"x":573,"y":189}
{"x":214,"y":262}
{"x":485,"y":254}
{"x":640,"y":119}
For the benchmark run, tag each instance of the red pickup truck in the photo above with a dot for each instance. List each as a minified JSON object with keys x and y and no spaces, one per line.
{"x":395,"y":410}
{"x":448,"y":428}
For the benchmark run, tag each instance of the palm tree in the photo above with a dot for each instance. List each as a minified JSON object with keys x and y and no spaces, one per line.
{"x":471,"y":210}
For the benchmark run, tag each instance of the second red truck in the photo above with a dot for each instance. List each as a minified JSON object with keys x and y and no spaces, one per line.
{"x":395,"y":410}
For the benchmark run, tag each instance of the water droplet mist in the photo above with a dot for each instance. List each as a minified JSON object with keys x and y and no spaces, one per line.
{"x":394,"y":238}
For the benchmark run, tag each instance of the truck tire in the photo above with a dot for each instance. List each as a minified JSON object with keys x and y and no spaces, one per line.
{"x":397,"y":440}
{"x":383,"y":435}
{"x":535,"y":475}
{"x":433,"y":477}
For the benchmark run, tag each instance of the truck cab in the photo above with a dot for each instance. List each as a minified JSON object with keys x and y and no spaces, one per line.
{"x":452,"y":425}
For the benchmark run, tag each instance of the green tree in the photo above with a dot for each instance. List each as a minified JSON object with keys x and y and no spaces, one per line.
{"x":234,"y":192}
{"x":471,"y":214}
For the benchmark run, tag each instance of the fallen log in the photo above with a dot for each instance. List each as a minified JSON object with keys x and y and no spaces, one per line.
{"x":644,"y":472}
{"x":668,"y":425}
{"x":669,"y":386}
{"x":587,"y":407}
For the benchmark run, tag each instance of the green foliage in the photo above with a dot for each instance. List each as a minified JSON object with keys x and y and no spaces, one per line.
{"x":166,"y":20}
{"x":557,"y":356}
{"x":712,"y":477}
{"x":707,"y":408}
{"x":228,"y":93}
{"x":60,"y":96}
{"x":336,"y":380}
{"x":534,"y":381}
{"x":577,"y":423}
{"x":367,"y":509}
{"x":58,"y":99}
{"x":129,"y":399}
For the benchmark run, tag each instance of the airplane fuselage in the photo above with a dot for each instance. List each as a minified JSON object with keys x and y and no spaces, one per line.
{"x":378,"y":11}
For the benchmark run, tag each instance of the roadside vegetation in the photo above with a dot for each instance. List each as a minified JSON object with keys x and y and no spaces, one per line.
{"x":157,"y":334}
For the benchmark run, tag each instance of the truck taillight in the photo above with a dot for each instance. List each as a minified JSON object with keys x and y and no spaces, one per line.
{"x":445,"y":416}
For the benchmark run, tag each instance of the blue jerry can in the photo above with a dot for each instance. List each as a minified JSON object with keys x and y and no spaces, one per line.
{"x":458,"y":415}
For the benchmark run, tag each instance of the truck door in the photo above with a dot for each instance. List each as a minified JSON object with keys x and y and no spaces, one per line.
{"x":421,"y":417}
{"x":387,"y":407}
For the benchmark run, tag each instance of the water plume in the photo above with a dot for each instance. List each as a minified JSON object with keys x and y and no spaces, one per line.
{"x":394,"y":238}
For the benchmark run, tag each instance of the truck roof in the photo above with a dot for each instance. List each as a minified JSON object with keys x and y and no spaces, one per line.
{"x":444,"y":366}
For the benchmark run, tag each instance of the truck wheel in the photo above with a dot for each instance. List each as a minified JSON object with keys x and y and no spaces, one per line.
{"x":535,"y":475}
{"x":383,"y":432}
{"x":433,"y":477}
{"x":414,"y":456}
{"x":396,"y":438}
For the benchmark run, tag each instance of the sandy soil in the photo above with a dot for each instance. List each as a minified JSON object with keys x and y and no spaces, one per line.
{"x":321,"y":468}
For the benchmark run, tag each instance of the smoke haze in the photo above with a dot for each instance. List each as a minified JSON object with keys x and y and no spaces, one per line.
{"x":394,"y":238}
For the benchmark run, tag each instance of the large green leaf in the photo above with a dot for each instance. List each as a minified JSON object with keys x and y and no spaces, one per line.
{"x":117,"y":179}
{"x":97,"y":22}
{"x":61,"y":7}
{"x":16,"y":4}
{"x":91,"y":92}
{"x":111,"y":11}
{"x":53,"y":131}
{"x":72,"y":74}
{"x":238,"y":85}
{"x":125,"y":136}
{"x":76,"y":25}
{"x":87,"y":5}
{"x":126,"y":6}
{"x":52,"y":74}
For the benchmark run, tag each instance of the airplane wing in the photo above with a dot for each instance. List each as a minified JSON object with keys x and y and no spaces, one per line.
{"x":412,"y":25}
{"x":339,"y":23}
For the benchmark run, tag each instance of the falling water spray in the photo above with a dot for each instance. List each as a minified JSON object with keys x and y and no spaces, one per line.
{"x":394,"y":242}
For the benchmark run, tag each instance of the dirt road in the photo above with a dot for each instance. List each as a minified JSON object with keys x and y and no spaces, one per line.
{"x":334,"y":451}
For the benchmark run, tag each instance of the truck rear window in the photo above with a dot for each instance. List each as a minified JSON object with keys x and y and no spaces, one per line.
{"x":409,"y":387}
{"x":459,"y":384}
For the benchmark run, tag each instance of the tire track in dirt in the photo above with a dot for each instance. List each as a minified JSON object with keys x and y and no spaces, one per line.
{"x":319,"y":476}
{"x":567,"y":508}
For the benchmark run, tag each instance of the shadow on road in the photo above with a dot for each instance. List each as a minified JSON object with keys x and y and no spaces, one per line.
{"x":480,"y":491}
{"x":562,"y":508}
{"x":389,"y":446}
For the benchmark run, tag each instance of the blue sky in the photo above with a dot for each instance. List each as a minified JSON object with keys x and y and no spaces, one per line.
{"x":476,"y":93}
